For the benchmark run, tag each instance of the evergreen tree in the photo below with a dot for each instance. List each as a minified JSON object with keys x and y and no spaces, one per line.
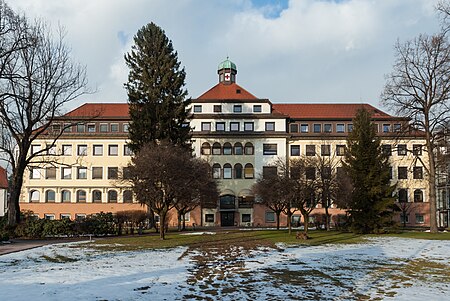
{"x":155,"y":90}
{"x":368,"y":168}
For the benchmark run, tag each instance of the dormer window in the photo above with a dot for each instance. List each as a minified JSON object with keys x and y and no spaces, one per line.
{"x":237,"y":108}
{"x":217,"y":108}
{"x":197,"y":108}
{"x":238,"y":91}
{"x":257,"y":109}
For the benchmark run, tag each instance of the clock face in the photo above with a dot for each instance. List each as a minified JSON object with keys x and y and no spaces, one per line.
{"x":227,"y":76}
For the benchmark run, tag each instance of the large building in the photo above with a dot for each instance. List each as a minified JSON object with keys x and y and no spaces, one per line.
{"x":239,"y":134}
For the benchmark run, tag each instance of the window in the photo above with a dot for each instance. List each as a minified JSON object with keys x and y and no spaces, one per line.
{"x":234,"y":126}
{"x":237,"y":108}
{"x":246,"y":218}
{"x":269,"y":149}
{"x":113,"y":150}
{"x":127,"y":150}
{"x":327,"y":127}
{"x":249,"y":150}
{"x":418,"y":196}
{"x":227,"y":202}
{"x":340,"y":128}
{"x":310,"y":173}
{"x":103,"y":127}
{"x":386,"y":128}
{"x":80,"y":216}
{"x":325,"y":150}
{"x":82,"y":150}
{"x":186,"y":217}
{"x":126,"y":127}
{"x":270,"y":217}
{"x":397,"y":127}
{"x":310,"y":150}
{"x":67,"y":127}
{"x":295,"y":150}
{"x":66,"y":173}
{"x":209,"y":218}
{"x":257,"y":109}
{"x":64,"y":216}
{"x":417,"y":172}
{"x":238,"y":149}
{"x":340,"y":150}
{"x":50,"y":217}
{"x":216,"y":171}
{"x":113,"y":173}
{"x":114,"y":127}
{"x":206,"y":126}
{"x":402,"y":173}
{"x":386,"y":149}
{"x":206,"y":148}
{"x":417,"y":149}
{"x":217,"y":108}
{"x":304,"y":128}
{"x":56,"y":128}
{"x":404,"y":219}
{"x":238,"y":171}
{"x":91,"y":128}
{"x":317,"y":128}
{"x":112,"y":196}
{"x":401,"y":150}
{"x":96,"y":196}
{"x":220,"y":126}
{"x":97,"y":172}
{"x":97,"y":150}
{"x":35,"y":148}
{"x":227,"y":148}
{"x":35,"y":173}
{"x":80,"y":128}
{"x":269,"y":172}
{"x":126,"y":173}
{"x":128,"y":196}
{"x":249,"y":172}
{"x":197,"y":108}
{"x":227,"y":171}
{"x":270,"y":126}
{"x":248,"y":126}
{"x":420,"y":219}
{"x":293,"y":128}
{"x":50,"y":196}
{"x":326,"y":172}
{"x":81,"y":196}
{"x":34,"y":196}
{"x":65,"y":196}
{"x":217,"y":149}
{"x":349,"y":127}
{"x":81,"y":173}
{"x":51,"y":150}
{"x":402,"y":196}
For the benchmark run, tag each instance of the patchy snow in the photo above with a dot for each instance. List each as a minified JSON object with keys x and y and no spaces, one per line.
{"x":387,"y":268}
{"x":199,"y":233}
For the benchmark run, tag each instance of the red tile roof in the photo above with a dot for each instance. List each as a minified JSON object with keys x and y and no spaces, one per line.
{"x":327,"y":111}
{"x":103,"y":110}
{"x":3,"y":178}
{"x":230,"y":91}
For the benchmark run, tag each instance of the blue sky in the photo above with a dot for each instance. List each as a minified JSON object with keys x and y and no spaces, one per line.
{"x":287,"y":51}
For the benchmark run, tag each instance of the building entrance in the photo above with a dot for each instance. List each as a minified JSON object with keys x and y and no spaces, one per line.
{"x":227,"y":219}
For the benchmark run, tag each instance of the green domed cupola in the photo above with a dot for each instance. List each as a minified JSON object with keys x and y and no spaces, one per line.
{"x":227,"y":72}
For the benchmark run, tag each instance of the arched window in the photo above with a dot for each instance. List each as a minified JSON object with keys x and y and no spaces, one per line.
{"x":249,"y":172}
{"x":217,"y":149}
{"x":227,"y":149}
{"x":96,"y":196}
{"x":65,"y":196}
{"x":238,"y":149}
{"x":238,"y":171}
{"x":418,"y":196}
{"x":403,"y":195}
{"x":216,"y":171}
{"x":81,"y":196}
{"x":35,"y":196}
{"x":249,"y":150}
{"x":112,"y":196}
{"x":50,"y":196}
{"x":206,"y":149}
{"x":128,"y":196}
{"x":227,"y":171}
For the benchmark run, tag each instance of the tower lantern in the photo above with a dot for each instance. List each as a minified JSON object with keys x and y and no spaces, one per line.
{"x":227,"y":72}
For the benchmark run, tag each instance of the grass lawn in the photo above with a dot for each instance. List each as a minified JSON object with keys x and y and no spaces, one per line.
{"x":248,"y":239}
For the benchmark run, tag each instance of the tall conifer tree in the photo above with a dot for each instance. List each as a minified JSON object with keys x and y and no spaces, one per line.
{"x":155,"y":90}
{"x":368,"y":168}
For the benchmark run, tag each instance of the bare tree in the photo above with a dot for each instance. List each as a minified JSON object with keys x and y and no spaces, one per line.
{"x":419,"y":87}
{"x":37,"y":78}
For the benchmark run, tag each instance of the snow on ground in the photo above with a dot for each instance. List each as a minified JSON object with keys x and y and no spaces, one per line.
{"x":387,"y":268}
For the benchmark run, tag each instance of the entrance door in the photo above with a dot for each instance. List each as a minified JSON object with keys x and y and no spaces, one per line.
{"x":227,"y":219}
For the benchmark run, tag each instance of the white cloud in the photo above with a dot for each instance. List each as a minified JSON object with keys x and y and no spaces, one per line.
{"x":313,"y":51}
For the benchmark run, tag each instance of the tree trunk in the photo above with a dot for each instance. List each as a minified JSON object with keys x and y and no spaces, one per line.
{"x":289,"y":218}
{"x":184,"y":225}
{"x":432,"y":185}
{"x":278,"y":220}
{"x":162,"y":224}
{"x":327,"y":219}
{"x":179,"y":220}
{"x":14,"y":197}
{"x":306,"y":219}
